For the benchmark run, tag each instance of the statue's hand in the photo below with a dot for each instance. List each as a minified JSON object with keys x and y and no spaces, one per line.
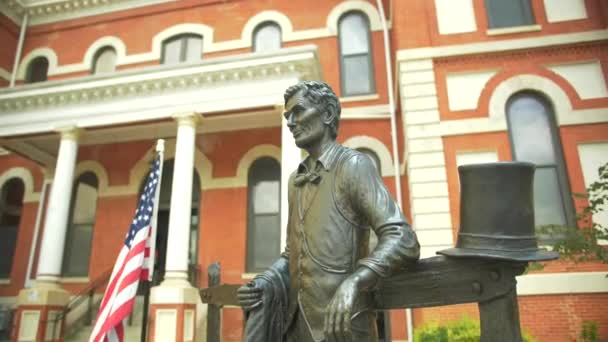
{"x":249,"y":296}
{"x":340,"y":310}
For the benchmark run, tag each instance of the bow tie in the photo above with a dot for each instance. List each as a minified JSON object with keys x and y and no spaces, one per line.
{"x":312,"y":177}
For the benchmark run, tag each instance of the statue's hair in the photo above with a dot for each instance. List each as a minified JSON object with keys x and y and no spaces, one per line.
{"x":322,"y":96}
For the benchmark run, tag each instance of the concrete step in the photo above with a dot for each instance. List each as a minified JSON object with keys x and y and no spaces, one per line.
{"x":132,"y":333}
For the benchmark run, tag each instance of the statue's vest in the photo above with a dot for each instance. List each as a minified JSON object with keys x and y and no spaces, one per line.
{"x":325,"y":243}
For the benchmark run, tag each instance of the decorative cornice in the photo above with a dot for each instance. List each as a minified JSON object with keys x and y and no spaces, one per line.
{"x":45,"y":11}
{"x":160,"y":80}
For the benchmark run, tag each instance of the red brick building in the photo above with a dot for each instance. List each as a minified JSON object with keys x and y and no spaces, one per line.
{"x":88,"y":86}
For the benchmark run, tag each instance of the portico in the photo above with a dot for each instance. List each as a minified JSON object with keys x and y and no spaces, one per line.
{"x":50,"y":123}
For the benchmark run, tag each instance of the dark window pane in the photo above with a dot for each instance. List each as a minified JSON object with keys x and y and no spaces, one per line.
{"x":37,"y":70}
{"x":355,"y":55}
{"x":356,"y":75}
{"x":267,"y":38}
{"x":354,"y":37}
{"x":265,"y":199}
{"x":8,"y":239}
{"x":263,"y":214}
{"x":531,"y":130}
{"x":80,"y":229}
{"x":266,"y":243}
{"x":194,"y":48}
{"x":105,"y":62}
{"x":11,"y":203}
{"x":509,"y":13}
{"x":548,"y":201}
{"x":172,"y":51}
{"x":86,"y":204}
{"x":78,"y":250}
{"x":182,"y":48}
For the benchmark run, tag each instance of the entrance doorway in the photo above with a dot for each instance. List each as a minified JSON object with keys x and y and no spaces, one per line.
{"x":162,"y":226}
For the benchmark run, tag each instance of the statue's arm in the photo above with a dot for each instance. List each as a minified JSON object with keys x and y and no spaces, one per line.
{"x":373,"y":204}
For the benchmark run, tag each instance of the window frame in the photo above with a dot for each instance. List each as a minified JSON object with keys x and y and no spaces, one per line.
{"x":98,"y":55}
{"x":341,"y":57}
{"x":29,"y":73}
{"x":260,"y":27}
{"x":70,"y":226}
{"x":559,"y":162}
{"x":251,"y":215}
{"x":528,"y":14}
{"x":183,"y":53}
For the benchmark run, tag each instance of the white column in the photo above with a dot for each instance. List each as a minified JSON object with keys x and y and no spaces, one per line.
{"x":55,"y":226}
{"x":291,"y":156}
{"x":176,"y":267}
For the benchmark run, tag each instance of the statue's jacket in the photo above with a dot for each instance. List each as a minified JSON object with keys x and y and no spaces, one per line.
{"x":330,"y":218}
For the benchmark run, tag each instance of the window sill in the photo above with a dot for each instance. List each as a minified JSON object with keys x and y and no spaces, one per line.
{"x":74,"y":280}
{"x":515,"y":29}
{"x":359,"y":98}
{"x":5,"y":281}
{"x":248,"y":276}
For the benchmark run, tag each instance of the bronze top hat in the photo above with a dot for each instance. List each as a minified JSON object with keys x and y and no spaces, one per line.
{"x":497,"y":213}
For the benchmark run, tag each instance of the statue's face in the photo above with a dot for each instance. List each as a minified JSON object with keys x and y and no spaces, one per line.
{"x":305,"y":121}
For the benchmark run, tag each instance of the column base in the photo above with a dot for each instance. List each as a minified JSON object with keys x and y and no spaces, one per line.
{"x":176,"y":312}
{"x":38,"y":312}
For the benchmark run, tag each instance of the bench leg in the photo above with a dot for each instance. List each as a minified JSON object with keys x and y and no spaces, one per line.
{"x":500,"y":319}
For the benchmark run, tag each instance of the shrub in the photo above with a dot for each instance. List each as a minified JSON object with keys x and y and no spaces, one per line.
{"x":463,"y":330}
{"x":589,"y":332}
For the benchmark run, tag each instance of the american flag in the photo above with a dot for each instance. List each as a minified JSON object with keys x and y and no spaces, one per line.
{"x":134,"y":263}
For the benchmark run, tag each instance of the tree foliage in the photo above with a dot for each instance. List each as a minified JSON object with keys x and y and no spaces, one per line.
{"x":584,"y":243}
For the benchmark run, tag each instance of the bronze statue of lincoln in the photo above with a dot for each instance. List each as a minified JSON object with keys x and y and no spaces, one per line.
{"x":319,"y":289}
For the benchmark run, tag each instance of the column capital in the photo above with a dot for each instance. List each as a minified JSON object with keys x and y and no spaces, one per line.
{"x":187,"y":119}
{"x":69,"y":132}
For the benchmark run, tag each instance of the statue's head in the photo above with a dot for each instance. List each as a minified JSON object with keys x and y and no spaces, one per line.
{"x":311,"y":109}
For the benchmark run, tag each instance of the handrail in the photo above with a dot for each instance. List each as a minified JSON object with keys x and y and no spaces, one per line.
{"x":92,"y":286}
{"x":84,"y":294}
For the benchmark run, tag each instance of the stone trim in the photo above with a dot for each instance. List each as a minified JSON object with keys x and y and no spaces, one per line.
{"x":502,"y":45}
{"x":421,"y":124}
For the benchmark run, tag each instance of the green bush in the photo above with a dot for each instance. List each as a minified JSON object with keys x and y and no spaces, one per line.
{"x":589,"y":332}
{"x":463,"y":330}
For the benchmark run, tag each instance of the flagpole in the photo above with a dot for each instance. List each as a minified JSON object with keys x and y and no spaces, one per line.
{"x":160,"y":149}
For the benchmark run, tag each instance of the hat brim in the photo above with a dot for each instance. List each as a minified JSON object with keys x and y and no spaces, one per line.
{"x":526,"y":255}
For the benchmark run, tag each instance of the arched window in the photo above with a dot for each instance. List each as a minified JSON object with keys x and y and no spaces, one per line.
{"x":356,"y":67}
{"x":535,"y":139}
{"x":11,"y":203}
{"x":267,"y":37}
{"x":104,"y":61}
{"x":182,"y":48}
{"x":37,"y":70}
{"x":77,"y":252}
{"x":263,"y":214}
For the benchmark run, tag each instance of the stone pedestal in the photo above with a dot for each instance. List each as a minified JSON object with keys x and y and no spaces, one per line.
{"x":38,"y":313}
{"x":173,"y":312}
